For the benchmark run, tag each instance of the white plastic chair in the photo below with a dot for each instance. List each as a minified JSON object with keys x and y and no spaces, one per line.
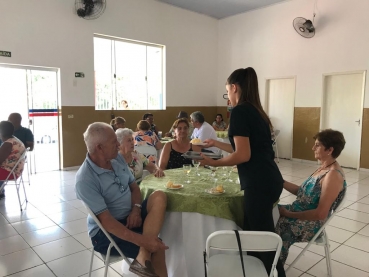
{"x":321,"y":239}
{"x":147,"y":150}
{"x":108,"y":259}
{"x":220,"y":265}
{"x":275,"y":145}
{"x":18,"y":182}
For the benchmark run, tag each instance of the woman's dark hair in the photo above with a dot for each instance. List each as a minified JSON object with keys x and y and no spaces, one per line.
{"x":219,"y":114}
{"x":146,"y":115}
{"x":119,"y":119}
{"x":180,"y":120}
{"x":331,"y":138}
{"x":143,"y":125}
{"x":247,"y":80}
{"x":6,"y":129}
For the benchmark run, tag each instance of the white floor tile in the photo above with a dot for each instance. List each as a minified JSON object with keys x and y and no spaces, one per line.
{"x":291,"y":179}
{"x":364,"y":200}
{"x":75,"y":203}
{"x":84,"y":239}
{"x":338,"y":235}
{"x":29,"y":213}
{"x":353,"y":197}
{"x":346,"y":224}
{"x":358,"y":241}
{"x":3,"y":220}
{"x":353,"y":257}
{"x":67,"y":216}
{"x":68,"y":196}
{"x":293,"y":272}
{"x":317,"y":249}
{"x":7,"y":230}
{"x":12,"y":244}
{"x":59,"y":248}
{"x":74,"y":265}
{"x":359,"y":207}
{"x":100,"y":272}
{"x":354,"y":215}
{"x":44,"y":235}
{"x":18,"y":261}
{"x":38,"y":271}
{"x":83,"y":209}
{"x":289,"y":199}
{"x":365,"y":231}
{"x":75,"y":227}
{"x":33,"y":224}
{"x":338,"y":270}
{"x":305,"y":262}
{"x":55,"y":208}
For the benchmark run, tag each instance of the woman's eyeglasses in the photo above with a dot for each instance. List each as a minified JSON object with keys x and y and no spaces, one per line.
{"x":118,"y":182}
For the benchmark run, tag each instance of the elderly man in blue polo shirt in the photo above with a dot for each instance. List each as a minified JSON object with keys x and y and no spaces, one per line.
{"x":106,"y":185}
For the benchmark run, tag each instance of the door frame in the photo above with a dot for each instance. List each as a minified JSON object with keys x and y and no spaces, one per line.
{"x":58,"y":97}
{"x":266,"y":101}
{"x":322,"y":104}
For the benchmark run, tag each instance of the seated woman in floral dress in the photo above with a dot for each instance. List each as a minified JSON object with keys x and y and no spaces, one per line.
{"x":144,"y":136}
{"x":137,"y":162}
{"x":322,"y":192}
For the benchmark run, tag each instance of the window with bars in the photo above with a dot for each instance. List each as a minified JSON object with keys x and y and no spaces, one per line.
{"x":129,"y":75}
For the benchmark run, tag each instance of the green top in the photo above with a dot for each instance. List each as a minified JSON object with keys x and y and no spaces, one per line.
{"x":193,"y":198}
{"x":222,"y":134}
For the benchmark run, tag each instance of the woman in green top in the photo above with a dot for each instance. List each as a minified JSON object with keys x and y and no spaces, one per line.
{"x":252,"y":152}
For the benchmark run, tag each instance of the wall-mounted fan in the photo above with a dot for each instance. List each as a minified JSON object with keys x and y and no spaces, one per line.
{"x":90,"y":9}
{"x":304,"y":27}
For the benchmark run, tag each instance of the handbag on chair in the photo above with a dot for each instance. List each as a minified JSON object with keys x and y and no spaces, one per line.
{"x":240,"y":252}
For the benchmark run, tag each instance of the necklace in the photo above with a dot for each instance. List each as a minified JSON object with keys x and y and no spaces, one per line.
{"x":320,"y":169}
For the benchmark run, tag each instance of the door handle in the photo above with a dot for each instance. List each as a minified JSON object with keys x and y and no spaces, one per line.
{"x":358,"y":122}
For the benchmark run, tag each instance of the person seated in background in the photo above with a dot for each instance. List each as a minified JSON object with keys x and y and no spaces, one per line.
{"x":137,"y":162}
{"x":171,"y":156}
{"x":10,"y":151}
{"x":219,"y":124}
{"x":322,"y":192}
{"x":144,"y":136}
{"x":119,"y":122}
{"x":106,"y":185}
{"x":203,"y":130}
{"x":149,"y":117}
{"x":23,"y":134}
{"x":182,"y":114}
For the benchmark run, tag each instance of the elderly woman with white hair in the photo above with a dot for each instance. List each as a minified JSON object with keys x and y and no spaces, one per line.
{"x":137,"y":162}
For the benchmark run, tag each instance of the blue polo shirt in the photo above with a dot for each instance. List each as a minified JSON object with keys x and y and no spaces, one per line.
{"x":100,"y":190}
{"x":24,"y":134}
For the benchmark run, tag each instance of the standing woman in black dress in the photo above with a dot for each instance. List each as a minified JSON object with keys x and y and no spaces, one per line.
{"x":252,"y":152}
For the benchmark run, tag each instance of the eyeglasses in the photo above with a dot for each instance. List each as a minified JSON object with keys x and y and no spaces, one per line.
{"x":118,"y":182}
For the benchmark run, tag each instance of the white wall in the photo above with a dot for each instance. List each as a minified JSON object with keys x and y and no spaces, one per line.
{"x":48,"y":33}
{"x":266,"y":40}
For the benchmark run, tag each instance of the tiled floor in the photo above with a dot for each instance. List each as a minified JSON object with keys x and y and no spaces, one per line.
{"x":49,"y":238}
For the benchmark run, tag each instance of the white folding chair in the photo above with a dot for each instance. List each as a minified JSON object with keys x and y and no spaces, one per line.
{"x":18,"y":182}
{"x":321,"y":239}
{"x":147,"y":150}
{"x":220,"y":265}
{"x":108,"y":259}
{"x":275,"y":145}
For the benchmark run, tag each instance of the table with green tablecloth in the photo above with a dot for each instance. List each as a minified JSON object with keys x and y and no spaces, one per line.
{"x":192,"y":215}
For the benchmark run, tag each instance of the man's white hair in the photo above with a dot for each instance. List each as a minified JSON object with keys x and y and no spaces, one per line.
{"x":123,"y":133}
{"x":95,"y":134}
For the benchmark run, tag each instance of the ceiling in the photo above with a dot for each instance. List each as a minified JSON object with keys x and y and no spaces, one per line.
{"x":221,"y":8}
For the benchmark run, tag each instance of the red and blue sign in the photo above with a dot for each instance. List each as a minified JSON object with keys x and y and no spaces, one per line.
{"x":43,"y":112}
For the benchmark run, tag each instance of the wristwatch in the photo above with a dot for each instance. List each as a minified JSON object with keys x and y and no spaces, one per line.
{"x":138,"y":205}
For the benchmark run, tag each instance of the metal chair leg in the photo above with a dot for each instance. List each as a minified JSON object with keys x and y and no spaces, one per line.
{"x":92,"y":260}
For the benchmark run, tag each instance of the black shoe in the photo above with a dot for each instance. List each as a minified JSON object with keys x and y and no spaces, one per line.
{"x":2,"y":195}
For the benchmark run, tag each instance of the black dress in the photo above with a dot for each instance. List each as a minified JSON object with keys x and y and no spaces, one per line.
{"x":260,"y":177}
{"x":176,"y":160}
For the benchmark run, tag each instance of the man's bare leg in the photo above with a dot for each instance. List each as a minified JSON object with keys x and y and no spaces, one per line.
{"x":156,"y":206}
{"x":158,"y":262}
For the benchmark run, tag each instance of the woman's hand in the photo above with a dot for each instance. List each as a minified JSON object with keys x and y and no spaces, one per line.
{"x":283,"y":211}
{"x":206,"y":160}
{"x":209,"y":143}
{"x":159,"y":173}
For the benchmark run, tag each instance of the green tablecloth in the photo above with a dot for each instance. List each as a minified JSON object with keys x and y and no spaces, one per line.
{"x":193,"y":198}
{"x":222,"y":134}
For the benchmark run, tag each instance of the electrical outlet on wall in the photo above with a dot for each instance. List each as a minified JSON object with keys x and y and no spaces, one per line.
{"x":70,"y":115}
{"x":306,"y":139}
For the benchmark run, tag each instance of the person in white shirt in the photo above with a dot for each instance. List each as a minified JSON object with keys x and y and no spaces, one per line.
{"x":203,"y":130}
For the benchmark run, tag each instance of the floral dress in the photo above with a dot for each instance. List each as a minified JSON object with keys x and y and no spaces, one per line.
{"x":148,"y":138}
{"x":294,"y":230}
{"x":137,"y":165}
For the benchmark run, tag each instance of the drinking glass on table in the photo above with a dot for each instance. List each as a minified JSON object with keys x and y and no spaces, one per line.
{"x":187,"y":170}
{"x":213,"y":171}
{"x":196,"y":164}
{"x":230,"y":175}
